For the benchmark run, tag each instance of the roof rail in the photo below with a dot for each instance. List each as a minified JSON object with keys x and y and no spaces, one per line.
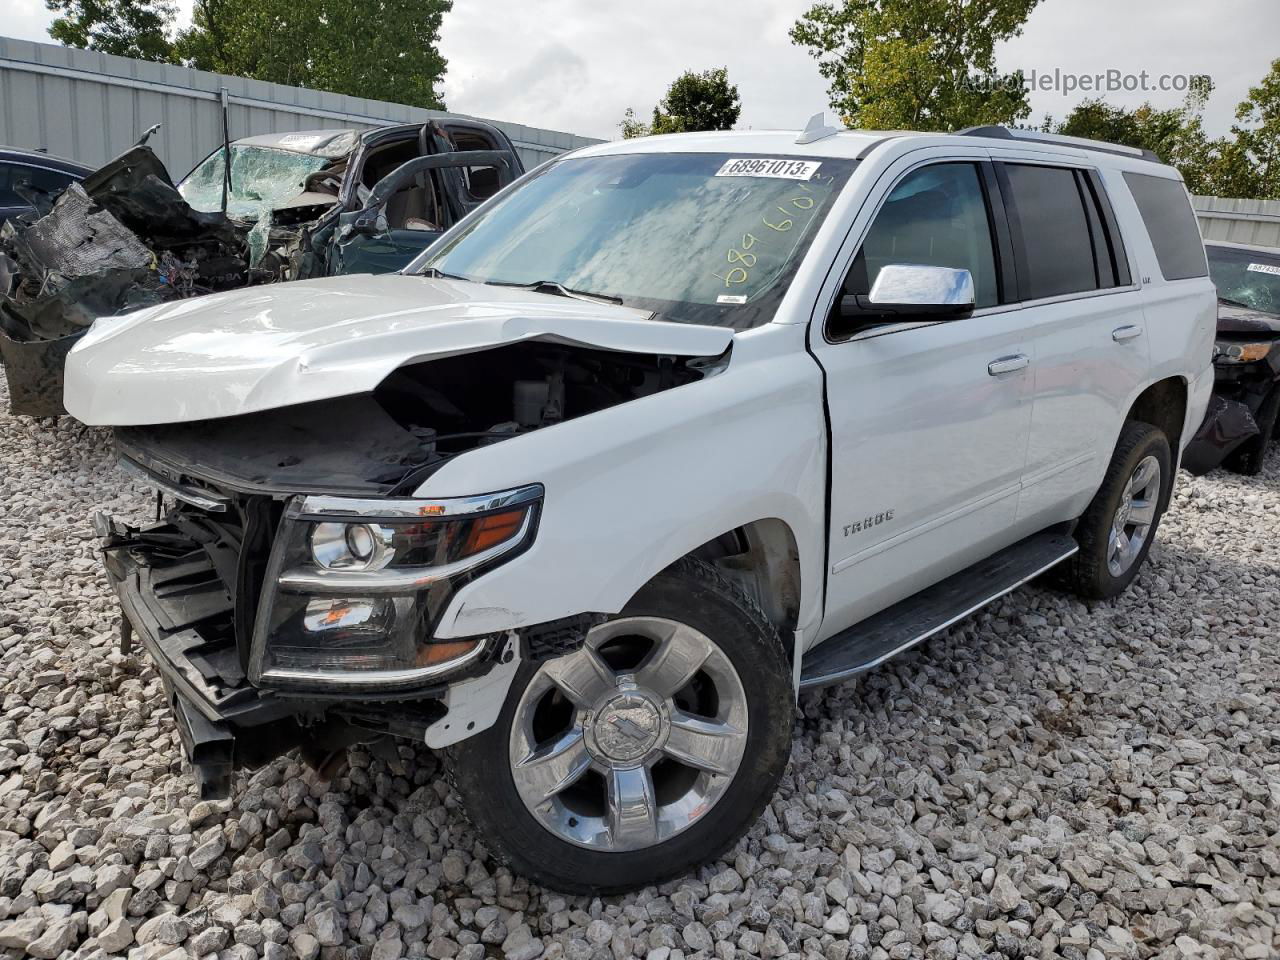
{"x":1058,"y":140}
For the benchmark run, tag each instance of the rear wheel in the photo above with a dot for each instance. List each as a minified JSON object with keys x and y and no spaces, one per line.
{"x":1116,"y":531}
{"x":647,"y":751}
{"x":1252,"y":455}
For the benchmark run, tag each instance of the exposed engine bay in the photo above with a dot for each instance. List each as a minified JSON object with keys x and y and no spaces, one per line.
{"x":420,"y":417}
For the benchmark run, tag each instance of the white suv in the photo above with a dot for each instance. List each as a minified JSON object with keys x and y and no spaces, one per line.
{"x":665,"y":432}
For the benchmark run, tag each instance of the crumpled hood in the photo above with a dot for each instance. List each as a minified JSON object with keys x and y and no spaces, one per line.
{"x":273,"y":346}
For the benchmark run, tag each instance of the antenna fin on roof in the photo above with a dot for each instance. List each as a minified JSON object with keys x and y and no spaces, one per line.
{"x":817,"y":129}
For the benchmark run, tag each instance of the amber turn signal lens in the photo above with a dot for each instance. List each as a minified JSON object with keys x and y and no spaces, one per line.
{"x":430,"y":654}
{"x":493,"y":529}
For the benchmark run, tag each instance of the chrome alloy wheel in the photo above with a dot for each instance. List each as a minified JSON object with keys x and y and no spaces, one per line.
{"x":631,"y":739}
{"x":1131,"y":526}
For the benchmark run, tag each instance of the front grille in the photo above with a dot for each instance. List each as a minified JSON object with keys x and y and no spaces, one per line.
{"x":235,"y":533}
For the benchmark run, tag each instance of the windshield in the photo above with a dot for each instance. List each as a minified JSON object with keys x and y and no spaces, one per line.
{"x":692,"y":237}
{"x":260,"y":177}
{"x":1250,"y":278}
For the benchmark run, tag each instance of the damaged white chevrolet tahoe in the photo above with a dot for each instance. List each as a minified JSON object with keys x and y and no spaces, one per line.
{"x":666,"y":431}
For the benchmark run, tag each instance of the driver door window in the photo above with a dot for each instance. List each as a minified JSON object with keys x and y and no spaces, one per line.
{"x":936,"y":216}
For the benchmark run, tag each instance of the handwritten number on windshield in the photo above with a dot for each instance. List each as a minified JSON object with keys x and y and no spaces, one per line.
{"x":743,"y":260}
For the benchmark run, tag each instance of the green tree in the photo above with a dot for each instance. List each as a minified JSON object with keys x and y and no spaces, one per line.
{"x":1259,"y":140}
{"x":694,"y":101}
{"x":381,"y":49}
{"x":916,"y":64}
{"x":631,"y":127}
{"x":698,"y":101}
{"x":126,"y":28}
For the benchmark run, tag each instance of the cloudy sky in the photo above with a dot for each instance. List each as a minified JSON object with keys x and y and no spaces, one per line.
{"x":576,"y":65}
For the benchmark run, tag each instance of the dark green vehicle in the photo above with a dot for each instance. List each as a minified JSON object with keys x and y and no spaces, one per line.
{"x":370,"y":201}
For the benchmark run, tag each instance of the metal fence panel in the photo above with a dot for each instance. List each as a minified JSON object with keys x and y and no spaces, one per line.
{"x":1233,"y":220}
{"x":91,"y":106}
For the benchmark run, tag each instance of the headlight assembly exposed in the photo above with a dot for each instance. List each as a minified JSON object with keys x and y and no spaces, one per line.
{"x":1234,"y":351}
{"x":355,"y":587}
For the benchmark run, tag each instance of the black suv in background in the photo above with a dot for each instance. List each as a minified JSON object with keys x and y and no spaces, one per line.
{"x":50,"y":174}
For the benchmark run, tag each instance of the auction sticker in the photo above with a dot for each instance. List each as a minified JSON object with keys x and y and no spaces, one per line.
{"x":1253,"y":267}
{"x":778,"y":169}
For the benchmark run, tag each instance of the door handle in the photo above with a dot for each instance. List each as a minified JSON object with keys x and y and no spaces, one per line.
{"x":1008,"y":364}
{"x":1127,"y":332}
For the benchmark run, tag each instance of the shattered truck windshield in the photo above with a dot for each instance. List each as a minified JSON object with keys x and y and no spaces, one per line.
{"x":1248,"y":278}
{"x":693,"y":237}
{"x":261,"y":177}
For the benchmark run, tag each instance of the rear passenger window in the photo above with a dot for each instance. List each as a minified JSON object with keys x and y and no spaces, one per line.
{"x":1057,"y":255}
{"x":1171,"y":224}
{"x":936,"y":216}
{"x":50,"y":181}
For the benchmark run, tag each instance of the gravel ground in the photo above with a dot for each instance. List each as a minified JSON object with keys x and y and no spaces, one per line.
{"x":1047,"y":780}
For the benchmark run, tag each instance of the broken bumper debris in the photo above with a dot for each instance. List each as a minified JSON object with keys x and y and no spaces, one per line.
{"x":1227,"y":425}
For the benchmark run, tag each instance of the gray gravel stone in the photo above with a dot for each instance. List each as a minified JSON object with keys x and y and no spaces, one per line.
{"x":117,"y":935}
{"x":57,"y":937}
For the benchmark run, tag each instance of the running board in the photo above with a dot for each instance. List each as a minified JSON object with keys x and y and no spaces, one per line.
{"x":873,"y":641}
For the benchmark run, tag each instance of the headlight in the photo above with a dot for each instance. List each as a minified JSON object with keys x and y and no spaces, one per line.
{"x":355,"y":588}
{"x":1234,"y":351}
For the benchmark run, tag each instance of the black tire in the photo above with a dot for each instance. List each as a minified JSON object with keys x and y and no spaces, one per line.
{"x":1250,"y":458}
{"x":697,"y":595}
{"x":1087,"y":573}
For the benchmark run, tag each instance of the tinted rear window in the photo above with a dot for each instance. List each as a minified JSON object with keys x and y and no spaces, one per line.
{"x":1058,"y":246}
{"x":1171,"y":224}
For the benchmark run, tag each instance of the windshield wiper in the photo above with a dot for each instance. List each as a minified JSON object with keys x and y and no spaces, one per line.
{"x":559,"y":289}
{"x":435,"y":273}
{"x":1234,"y":303}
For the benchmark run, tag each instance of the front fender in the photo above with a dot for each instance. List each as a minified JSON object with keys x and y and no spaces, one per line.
{"x":631,"y":489}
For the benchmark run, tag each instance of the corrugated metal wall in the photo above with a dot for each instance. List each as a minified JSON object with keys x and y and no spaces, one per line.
{"x":1239,"y":221}
{"x":91,"y":106}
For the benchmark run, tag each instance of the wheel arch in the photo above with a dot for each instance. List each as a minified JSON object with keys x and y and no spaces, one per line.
{"x":1163,"y":404}
{"x":762,"y":558}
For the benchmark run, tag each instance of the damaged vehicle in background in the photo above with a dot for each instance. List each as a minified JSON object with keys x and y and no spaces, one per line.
{"x":1244,"y":413}
{"x":297,"y":205}
{"x":24,"y":169}
{"x":672,"y":429}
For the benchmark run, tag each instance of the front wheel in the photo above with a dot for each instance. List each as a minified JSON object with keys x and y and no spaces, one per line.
{"x":647,"y":751}
{"x":1117,"y":530}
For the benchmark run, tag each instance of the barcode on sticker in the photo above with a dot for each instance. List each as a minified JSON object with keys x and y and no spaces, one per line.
{"x":1270,"y":268}
{"x":779,"y":169}
{"x":731,"y":298}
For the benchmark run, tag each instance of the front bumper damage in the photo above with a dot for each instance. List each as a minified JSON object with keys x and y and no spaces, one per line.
{"x":177,"y":607}
{"x":1228,"y":424}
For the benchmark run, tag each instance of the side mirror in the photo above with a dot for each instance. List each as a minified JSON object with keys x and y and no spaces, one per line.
{"x":907,"y":291}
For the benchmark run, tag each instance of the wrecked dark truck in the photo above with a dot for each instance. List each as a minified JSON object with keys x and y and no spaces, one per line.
{"x":292,"y":206}
{"x":1244,"y":412}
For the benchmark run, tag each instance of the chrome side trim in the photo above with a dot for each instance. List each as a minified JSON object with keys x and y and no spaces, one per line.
{"x":387,"y":679}
{"x":192,"y":495}
{"x":832,"y":678}
{"x":327,"y":508}
{"x":395,"y":579}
